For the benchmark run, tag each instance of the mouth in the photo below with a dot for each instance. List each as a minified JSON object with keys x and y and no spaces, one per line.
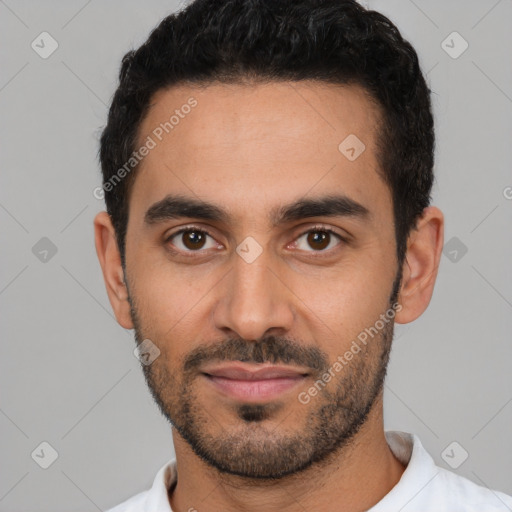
{"x":254,"y":383}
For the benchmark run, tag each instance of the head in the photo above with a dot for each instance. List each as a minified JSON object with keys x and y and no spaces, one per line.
{"x":267,"y":170}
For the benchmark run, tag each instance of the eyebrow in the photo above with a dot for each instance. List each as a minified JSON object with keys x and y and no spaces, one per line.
{"x":178,"y":206}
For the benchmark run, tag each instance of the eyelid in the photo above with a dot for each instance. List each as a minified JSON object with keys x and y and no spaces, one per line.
{"x":182,"y":229}
{"x":326,"y":229}
{"x":191,"y":227}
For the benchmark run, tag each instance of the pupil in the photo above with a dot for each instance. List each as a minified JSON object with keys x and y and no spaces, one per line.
{"x":194,"y":239}
{"x":317,"y":237}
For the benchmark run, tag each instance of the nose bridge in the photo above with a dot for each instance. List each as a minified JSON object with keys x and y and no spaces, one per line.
{"x":254,"y":301}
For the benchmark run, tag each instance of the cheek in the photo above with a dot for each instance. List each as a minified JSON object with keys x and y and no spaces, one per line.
{"x":344,"y":301}
{"x":170,"y":289}
{"x":169,"y":300}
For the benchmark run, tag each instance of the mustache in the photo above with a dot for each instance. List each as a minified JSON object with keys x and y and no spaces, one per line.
{"x":272,"y":349}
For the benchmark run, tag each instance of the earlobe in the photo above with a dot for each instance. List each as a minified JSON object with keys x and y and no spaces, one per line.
{"x":420,"y":266}
{"x":113,"y":274}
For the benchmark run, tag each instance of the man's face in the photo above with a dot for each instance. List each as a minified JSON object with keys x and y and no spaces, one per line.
{"x":258,"y":288}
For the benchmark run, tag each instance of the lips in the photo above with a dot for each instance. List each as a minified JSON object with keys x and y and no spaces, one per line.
{"x":239,"y":372}
{"x":254,"y":383}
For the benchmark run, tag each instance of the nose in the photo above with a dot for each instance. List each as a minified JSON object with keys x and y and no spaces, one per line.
{"x":254,"y":300}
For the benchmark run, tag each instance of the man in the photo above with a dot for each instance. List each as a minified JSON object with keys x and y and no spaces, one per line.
{"x":267,"y":168}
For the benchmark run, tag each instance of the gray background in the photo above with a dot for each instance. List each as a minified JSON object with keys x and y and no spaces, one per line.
{"x":68,"y":373}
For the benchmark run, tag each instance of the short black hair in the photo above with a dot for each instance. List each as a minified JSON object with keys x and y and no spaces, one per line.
{"x":240,"y":41}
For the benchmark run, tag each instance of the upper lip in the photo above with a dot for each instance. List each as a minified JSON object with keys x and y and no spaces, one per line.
{"x":240,"y":371}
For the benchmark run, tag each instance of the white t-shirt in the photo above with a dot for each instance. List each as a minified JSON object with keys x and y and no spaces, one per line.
{"x":423,"y":487}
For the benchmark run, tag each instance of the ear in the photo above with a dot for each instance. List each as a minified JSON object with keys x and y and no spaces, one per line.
{"x":110,"y":261}
{"x":422,"y":258}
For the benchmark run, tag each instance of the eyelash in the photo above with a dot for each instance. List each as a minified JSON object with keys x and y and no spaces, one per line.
{"x":203,"y":231}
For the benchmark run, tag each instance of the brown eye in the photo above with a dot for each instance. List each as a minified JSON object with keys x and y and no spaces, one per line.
{"x":193,"y":239}
{"x":190,"y":240}
{"x":318,"y":239}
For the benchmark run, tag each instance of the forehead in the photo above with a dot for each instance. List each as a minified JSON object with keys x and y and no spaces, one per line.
{"x":251,"y":147}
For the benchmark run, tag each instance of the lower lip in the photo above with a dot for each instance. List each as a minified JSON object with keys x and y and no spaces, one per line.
{"x":254,"y":390}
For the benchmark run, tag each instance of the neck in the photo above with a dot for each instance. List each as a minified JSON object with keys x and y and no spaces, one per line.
{"x":353,"y":479}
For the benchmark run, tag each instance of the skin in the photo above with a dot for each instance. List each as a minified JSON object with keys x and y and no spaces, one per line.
{"x":249,"y":150}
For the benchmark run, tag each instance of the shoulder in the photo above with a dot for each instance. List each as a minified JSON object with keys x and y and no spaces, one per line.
{"x":155,"y":498}
{"x":427,"y":487}
{"x":458,"y":490}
